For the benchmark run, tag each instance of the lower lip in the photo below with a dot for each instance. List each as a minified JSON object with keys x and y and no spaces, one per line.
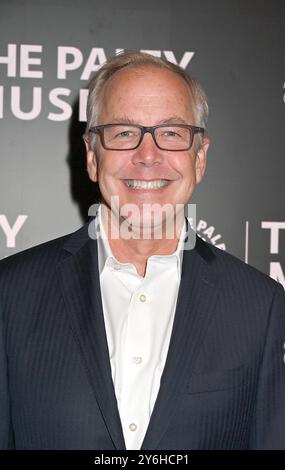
{"x":147,"y":190}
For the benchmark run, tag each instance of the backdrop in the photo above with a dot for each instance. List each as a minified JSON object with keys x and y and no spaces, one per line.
{"x":50,"y":49}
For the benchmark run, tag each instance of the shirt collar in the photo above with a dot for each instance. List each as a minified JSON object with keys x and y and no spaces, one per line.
{"x":105,"y":253}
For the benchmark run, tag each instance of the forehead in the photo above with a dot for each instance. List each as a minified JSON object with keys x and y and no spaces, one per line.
{"x":147,"y":93}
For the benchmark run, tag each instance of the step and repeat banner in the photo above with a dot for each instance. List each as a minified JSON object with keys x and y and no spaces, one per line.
{"x":235,"y":48}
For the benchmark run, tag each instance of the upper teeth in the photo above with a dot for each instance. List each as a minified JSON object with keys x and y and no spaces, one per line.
{"x":141,"y":184}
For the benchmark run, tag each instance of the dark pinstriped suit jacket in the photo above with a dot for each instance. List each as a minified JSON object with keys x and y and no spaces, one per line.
{"x":223,"y":385}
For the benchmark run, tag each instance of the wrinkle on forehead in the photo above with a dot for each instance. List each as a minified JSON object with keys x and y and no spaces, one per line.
{"x":124,"y":119}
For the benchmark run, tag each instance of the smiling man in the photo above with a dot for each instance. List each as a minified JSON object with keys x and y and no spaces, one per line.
{"x":131,"y":340}
{"x":149,"y":167}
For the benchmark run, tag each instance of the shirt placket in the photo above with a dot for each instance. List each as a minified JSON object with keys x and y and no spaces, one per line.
{"x":133,"y":404}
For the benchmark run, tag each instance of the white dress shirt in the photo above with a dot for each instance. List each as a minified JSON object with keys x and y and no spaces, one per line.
{"x":138,"y":314}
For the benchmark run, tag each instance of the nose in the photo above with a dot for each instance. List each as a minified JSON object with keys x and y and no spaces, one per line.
{"x":147,"y":153}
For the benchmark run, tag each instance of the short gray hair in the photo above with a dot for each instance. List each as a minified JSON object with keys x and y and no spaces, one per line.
{"x":140,"y":59}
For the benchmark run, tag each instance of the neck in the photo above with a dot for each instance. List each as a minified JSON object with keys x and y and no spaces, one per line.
{"x":136,"y":248}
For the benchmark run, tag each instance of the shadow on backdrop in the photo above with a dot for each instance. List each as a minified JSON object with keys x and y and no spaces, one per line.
{"x":83,"y":191}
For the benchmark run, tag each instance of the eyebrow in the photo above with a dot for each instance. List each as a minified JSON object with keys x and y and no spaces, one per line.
{"x":173,"y":120}
{"x":169,"y":120}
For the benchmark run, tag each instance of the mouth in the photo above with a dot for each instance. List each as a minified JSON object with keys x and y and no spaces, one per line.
{"x":143,"y":184}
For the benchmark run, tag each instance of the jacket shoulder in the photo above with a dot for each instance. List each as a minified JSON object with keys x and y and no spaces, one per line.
{"x":235,"y":271}
{"x":43,"y":257}
{"x":48,"y":250}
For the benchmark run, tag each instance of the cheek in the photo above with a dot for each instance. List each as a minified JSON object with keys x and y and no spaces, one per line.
{"x":105,"y":169}
{"x":187,"y":183}
{"x":110,"y":164}
{"x":185,"y":165}
{"x":109,"y":169}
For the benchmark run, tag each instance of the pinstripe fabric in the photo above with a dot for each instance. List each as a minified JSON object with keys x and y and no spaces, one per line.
{"x":223,"y":385}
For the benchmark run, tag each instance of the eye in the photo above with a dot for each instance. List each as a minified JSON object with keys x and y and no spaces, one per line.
{"x":171,"y":134}
{"x":125,"y":134}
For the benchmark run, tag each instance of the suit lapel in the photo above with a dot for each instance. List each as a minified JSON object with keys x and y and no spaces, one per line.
{"x":195,"y":304}
{"x":79,"y":281}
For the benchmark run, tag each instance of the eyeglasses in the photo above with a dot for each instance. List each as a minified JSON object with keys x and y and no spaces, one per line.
{"x":176,"y":137}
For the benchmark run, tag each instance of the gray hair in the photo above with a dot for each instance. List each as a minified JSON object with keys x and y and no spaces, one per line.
{"x":140,"y":59}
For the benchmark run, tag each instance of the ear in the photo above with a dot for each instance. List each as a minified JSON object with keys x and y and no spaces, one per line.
{"x":201,"y":160}
{"x":91,"y":162}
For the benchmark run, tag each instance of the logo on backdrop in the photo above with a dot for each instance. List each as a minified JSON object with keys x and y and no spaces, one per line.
{"x":210,"y":234}
{"x":275,"y":268}
{"x":11,"y":231}
{"x":273,"y":248}
{"x":24,"y":61}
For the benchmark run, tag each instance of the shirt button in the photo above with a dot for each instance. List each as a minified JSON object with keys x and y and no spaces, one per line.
{"x":133,"y":427}
{"x":142,"y":298}
{"x":137,"y":360}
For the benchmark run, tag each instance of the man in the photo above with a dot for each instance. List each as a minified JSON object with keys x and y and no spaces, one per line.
{"x":126,"y":339}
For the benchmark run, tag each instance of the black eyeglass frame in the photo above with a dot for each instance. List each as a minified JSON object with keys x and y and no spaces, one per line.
{"x":100,"y":131}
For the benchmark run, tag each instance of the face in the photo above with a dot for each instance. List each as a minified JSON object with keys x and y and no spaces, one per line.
{"x":146,"y":96}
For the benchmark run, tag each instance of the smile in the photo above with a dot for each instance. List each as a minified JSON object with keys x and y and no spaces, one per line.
{"x":142,"y":184}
